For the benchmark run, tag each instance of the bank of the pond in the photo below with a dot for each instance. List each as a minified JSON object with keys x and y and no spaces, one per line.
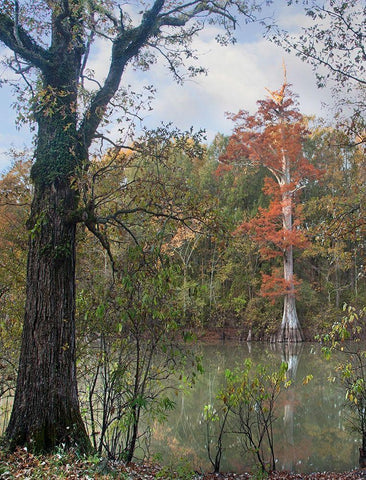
{"x":23,"y":465}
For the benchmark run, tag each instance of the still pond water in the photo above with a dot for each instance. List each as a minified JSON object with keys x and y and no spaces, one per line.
{"x":311,"y":431}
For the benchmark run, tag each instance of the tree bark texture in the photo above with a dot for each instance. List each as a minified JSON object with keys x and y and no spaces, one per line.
{"x":46,"y":409}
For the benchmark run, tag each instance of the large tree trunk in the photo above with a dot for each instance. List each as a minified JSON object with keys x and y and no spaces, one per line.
{"x":290,"y":330}
{"x":46,"y":409}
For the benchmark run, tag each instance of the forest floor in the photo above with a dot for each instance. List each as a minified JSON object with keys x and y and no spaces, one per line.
{"x":25,"y":466}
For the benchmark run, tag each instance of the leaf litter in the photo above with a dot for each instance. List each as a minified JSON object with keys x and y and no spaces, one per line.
{"x":25,"y":466}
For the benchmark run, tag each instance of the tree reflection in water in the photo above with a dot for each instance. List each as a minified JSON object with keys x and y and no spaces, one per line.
{"x":310,"y":432}
{"x":291,"y":355}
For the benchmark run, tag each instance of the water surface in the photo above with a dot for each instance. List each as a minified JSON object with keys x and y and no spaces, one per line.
{"x":312,"y":432}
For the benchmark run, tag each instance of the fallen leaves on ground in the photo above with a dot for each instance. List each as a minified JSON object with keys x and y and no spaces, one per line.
{"x":25,"y":466}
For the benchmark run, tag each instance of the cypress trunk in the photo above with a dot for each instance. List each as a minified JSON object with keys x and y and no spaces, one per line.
{"x":290,"y":330}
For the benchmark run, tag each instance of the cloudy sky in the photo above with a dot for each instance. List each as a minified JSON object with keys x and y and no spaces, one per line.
{"x":237,"y":78}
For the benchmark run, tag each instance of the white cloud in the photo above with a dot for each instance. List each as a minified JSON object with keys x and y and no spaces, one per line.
{"x":237,"y":78}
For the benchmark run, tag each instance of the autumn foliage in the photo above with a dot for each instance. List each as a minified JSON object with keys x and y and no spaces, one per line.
{"x":273,"y":137}
{"x":266,"y":228}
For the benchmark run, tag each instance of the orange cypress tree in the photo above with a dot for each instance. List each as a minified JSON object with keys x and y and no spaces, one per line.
{"x":273,"y":137}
